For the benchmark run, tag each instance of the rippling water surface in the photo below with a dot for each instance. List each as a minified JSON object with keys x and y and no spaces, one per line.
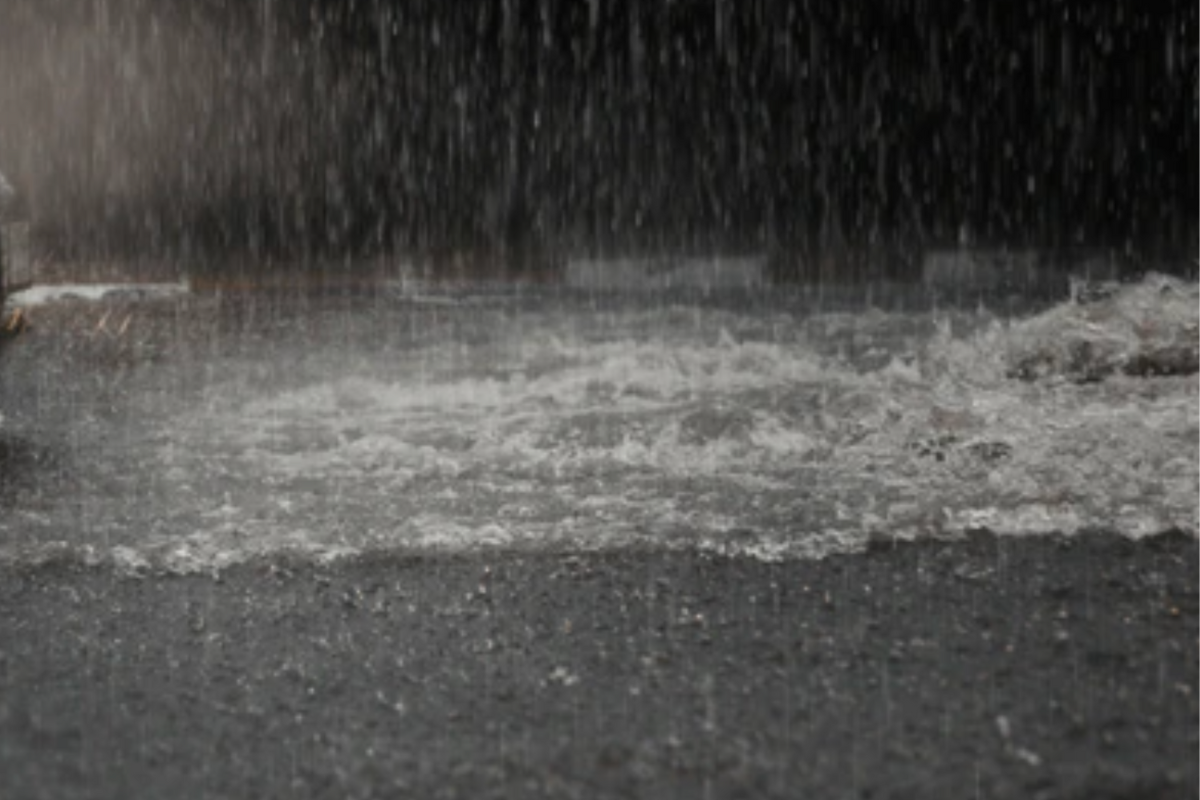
{"x":189,"y":432}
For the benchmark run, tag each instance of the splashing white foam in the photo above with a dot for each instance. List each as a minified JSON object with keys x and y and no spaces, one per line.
{"x":782,"y":437}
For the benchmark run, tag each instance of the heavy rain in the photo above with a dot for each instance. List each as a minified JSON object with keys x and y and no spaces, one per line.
{"x":590,"y":398}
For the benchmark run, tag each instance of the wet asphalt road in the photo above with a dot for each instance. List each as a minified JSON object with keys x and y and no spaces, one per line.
{"x":993,"y":668}
{"x":1013,"y":668}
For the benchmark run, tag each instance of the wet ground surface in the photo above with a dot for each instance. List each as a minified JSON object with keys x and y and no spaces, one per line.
{"x":1000,"y":668}
{"x":491,"y":546}
{"x":193,"y":431}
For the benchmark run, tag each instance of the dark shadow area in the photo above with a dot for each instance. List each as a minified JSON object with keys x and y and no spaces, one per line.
{"x":26,"y":467}
{"x":491,"y":132}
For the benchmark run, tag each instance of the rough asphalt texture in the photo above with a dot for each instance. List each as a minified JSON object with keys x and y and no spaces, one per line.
{"x":991,"y":668}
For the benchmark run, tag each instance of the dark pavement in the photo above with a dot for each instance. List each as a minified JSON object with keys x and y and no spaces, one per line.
{"x":1000,"y":668}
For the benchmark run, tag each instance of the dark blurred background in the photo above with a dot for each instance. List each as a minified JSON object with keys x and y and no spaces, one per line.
{"x":301,"y":130}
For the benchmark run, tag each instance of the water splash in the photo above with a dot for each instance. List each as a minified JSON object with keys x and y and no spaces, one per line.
{"x":773,"y":434}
